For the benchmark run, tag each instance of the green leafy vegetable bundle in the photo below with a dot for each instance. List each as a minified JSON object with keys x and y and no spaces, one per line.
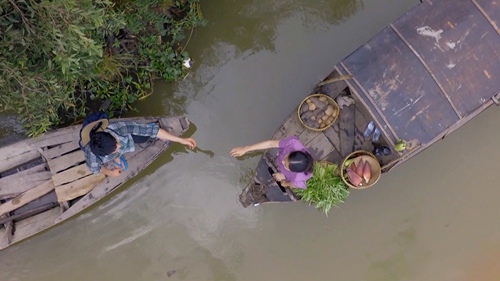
{"x":325,"y":188}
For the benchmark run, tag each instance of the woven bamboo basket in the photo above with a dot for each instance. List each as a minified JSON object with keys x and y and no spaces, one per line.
{"x":376,"y":171}
{"x":330,"y":101}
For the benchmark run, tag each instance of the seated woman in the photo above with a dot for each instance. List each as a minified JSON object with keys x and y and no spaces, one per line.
{"x":294,"y":162}
{"x":105,"y":142}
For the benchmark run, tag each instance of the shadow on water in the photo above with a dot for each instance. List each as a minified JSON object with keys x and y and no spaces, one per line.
{"x":204,"y":151}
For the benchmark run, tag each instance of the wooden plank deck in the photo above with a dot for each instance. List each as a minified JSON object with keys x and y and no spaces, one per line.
{"x":16,"y":155}
{"x":35,"y":224}
{"x":26,"y":197}
{"x":69,"y":191}
{"x":60,"y":149}
{"x":25,"y":180}
{"x":66,"y":161}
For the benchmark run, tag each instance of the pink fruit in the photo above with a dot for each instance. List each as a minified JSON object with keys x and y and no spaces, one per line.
{"x":367,"y":171}
{"x":353,"y":177}
{"x":359,"y":168}
{"x":353,"y":166}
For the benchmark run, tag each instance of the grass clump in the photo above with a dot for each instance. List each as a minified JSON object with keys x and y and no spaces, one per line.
{"x":325,"y":188}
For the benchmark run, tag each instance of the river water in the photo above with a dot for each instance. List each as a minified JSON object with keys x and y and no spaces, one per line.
{"x":433,"y":218}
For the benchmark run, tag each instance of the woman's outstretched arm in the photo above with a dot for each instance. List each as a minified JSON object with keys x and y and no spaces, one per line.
{"x":242,"y":150}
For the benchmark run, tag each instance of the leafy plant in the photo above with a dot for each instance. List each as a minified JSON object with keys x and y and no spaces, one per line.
{"x":325,"y":188}
{"x":59,"y":56}
{"x":47,"y":47}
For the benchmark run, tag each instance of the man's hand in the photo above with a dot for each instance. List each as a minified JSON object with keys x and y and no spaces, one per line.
{"x":116,"y":172}
{"x":189,"y":142}
{"x":111,"y":173}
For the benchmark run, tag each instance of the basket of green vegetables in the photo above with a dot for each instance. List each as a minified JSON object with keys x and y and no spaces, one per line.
{"x":325,"y":189}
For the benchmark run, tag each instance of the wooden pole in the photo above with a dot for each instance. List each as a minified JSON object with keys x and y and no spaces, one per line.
{"x":30,"y":213}
{"x":335,"y":79}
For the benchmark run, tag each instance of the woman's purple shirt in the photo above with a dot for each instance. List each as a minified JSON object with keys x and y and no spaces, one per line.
{"x":285,"y":147}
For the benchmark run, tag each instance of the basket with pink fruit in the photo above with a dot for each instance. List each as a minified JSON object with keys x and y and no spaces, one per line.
{"x":360,"y":170}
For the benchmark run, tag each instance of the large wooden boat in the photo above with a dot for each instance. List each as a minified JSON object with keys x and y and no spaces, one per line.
{"x":44,"y":180}
{"x":419,"y":79}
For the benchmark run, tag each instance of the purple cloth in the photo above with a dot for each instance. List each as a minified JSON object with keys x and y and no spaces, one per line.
{"x":285,"y":147}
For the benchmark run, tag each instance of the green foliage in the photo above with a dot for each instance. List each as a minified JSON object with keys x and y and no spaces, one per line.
{"x":325,"y":188}
{"x":47,"y":47}
{"x":164,"y":22}
{"x":58,"y":55}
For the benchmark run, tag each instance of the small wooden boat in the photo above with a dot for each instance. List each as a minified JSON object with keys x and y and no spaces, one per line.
{"x":418,"y":80}
{"x":44,"y":180}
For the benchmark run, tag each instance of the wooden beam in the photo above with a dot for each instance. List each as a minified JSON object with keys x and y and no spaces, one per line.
{"x":307,"y":136}
{"x":488,"y":18}
{"x":60,"y":149}
{"x":55,"y":137}
{"x":35,"y":224}
{"x":66,"y":161}
{"x":335,"y":79}
{"x":15,"y":149}
{"x":332,"y":134}
{"x":346,"y":130}
{"x":6,"y":235}
{"x":78,"y":188}
{"x":320,"y":147}
{"x":30,"y":213}
{"x":335,"y":88}
{"x":71,"y":175}
{"x":136,"y":163}
{"x":26,"y":197}
{"x":13,"y":185}
{"x":17,"y":154}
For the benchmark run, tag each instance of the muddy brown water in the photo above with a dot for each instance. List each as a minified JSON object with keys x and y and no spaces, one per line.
{"x":433,"y":218}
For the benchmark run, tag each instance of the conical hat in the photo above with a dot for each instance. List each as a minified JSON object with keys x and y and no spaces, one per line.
{"x":99,"y":125}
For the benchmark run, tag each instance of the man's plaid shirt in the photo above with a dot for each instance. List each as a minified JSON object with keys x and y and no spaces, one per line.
{"x":122,"y":131}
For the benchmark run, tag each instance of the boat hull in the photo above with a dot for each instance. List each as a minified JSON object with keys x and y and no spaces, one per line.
{"x":422,"y":77}
{"x":44,"y":180}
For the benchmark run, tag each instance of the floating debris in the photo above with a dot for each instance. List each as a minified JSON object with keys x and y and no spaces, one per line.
{"x":171,"y":272}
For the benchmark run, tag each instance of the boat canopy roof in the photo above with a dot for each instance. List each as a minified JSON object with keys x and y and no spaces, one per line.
{"x":431,"y":69}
